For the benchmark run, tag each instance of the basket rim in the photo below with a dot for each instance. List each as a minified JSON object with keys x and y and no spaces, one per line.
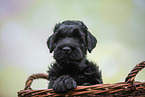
{"x":129,"y":86}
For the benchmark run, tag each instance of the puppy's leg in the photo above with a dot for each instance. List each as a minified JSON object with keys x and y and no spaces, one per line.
{"x":64,"y":84}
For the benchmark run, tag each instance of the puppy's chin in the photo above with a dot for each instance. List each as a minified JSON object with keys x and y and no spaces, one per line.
{"x":68,"y":62}
{"x":65,"y":60}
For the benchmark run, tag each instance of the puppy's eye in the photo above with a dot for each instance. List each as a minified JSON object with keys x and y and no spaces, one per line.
{"x":56,"y":39}
{"x":58,"y":36}
{"x":82,"y":38}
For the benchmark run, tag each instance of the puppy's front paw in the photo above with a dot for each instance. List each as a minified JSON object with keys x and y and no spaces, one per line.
{"x":64,"y":84}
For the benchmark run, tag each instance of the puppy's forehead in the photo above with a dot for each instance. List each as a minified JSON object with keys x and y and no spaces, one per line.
{"x":66,"y":29}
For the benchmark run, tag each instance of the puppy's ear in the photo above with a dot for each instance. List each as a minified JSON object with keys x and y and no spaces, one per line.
{"x":50,"y":44}
{"x":50,"y":40}
{"x":91,"y":41}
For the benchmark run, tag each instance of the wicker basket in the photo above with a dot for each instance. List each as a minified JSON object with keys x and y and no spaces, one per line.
{"x":128,"y":88}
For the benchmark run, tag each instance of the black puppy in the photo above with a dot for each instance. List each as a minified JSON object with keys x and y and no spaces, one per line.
{"x":70,"y":42}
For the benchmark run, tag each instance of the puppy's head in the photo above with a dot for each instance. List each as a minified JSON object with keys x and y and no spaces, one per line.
{"x":70,"y":41}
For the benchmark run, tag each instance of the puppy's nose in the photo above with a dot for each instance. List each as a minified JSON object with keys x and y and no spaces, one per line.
{"x":66,"y":49}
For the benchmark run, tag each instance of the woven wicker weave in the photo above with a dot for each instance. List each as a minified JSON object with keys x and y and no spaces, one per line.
{"x":128,"y":88}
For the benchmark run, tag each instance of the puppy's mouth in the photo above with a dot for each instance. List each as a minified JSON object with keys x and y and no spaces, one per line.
{"x":68,"y":55}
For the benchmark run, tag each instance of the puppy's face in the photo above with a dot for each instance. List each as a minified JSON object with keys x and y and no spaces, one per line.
{"x":70,"y":42}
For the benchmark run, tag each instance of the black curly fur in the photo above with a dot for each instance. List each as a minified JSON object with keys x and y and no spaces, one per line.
{"x":71,"y":67}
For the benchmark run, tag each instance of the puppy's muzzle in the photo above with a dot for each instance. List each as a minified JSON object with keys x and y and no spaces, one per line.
{"x":66,"y":49}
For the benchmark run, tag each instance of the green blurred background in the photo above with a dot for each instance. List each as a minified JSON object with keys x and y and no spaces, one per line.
{"x":25,"y":25}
